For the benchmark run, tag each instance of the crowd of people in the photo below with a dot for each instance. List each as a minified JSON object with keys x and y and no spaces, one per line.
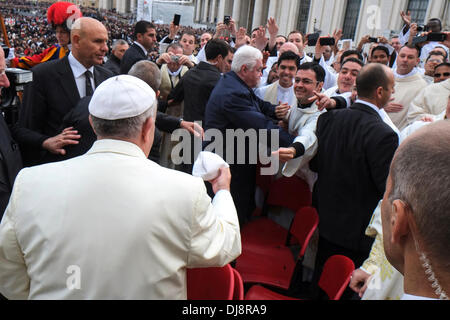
{"x":342,"y":119}
{"x":30,"y":33}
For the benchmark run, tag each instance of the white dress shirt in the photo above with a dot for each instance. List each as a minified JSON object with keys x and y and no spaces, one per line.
{"x":142,"y":47}
{"x":384,"y":116}
{"x":78,"y":71}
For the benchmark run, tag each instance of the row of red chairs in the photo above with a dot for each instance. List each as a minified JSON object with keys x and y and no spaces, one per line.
{"x":226,"y":283}
{"x":267,"y":258}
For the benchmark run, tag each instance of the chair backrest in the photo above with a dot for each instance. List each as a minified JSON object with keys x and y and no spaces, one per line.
{"x":238,"y":286}
{"x":336,"y":275}
{"x":292,"y":193}
{"x":303,"y":226}
{"x":210,"y":283}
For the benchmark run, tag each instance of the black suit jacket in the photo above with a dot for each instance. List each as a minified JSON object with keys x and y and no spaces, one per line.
{"x":131,"y":56}
{"x":51,"y":95}
{"x":354,"y":155}
{"x":195,"y":88}
{"x":78,"y":118}
{"x":113,"y":65}
{"x":10,"y":164}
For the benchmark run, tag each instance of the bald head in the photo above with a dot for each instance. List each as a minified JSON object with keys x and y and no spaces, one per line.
{"x":89,"y":37}
{"x":85,"y":25}
{"x":373,"y":80}
{"x":289,"y":46}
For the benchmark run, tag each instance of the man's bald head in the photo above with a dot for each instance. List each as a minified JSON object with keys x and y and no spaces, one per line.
{"x":420,"y":177}
{"x":289,"y":46}
{"x":89,"y":38}
{"x":371,"y":78}
{"x":84,"y":25}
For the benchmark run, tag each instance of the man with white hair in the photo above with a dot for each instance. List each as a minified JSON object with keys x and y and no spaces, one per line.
{"x":234,"y":105}
{"x":105,"y":225}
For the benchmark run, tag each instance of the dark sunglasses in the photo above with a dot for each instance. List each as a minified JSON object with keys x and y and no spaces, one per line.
{"x":445,"y":74}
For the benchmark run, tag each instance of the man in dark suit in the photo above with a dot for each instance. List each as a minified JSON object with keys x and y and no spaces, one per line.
{"x":144,"y":40}
{"x":118,"y":49}
{"x":10,"y":159}
{"x":355,"y":149}
{"x":195,"y":87}
{"x":56,"y":89}
{"x":233,"y":105}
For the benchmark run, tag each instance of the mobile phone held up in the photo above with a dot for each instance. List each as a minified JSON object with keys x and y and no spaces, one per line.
{"x":436,"y":36}
{"x":312,"y":39}
{"x":327,"y":41}
{"x":373,"y":40}
{"x":176,"y":19}
{"x":226,"y":20}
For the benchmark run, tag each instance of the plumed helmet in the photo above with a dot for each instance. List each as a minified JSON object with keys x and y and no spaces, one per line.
{"x":59,"y":12}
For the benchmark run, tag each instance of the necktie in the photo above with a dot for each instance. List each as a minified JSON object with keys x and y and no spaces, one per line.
{"x":89,"y":90}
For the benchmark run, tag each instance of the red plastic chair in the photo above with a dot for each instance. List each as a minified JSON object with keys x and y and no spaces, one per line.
{"x":238,"y":286}
{"x":292,"y":193}
{"x":276,"y":265}
{"x":210,"y":283}
{"x":336,"y":275}
{"x":333,"y":281}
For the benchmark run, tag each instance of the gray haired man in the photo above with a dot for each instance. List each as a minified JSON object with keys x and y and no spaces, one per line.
{"x":117,"y":51}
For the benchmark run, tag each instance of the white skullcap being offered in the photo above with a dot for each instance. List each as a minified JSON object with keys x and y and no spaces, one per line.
{"x":121,"y":97}
{"x":207,"y":166}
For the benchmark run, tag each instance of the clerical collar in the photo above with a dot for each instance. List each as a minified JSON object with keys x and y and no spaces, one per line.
{"x":304,"y":106}
{"x":284,"y":89}
{"x":413,"y":72}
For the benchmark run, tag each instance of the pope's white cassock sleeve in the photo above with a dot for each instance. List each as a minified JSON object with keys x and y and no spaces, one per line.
{"x":215,"y":231}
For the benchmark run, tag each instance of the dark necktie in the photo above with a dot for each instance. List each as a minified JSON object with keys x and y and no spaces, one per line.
{"x":89,"y":90}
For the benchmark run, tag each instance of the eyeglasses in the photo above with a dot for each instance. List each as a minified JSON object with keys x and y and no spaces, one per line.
{"x":305,"y":81}
{"x":445,"y":74}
